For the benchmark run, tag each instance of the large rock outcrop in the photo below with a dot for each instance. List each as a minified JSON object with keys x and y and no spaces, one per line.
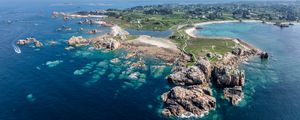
{"x":234,"y":94}
{"x":188,"y":101}
{"x":105,"y":42}
{"x":117,"y":31}
{"x":100,"y":42}
{"x":231,"y":80}
{"x":226,"y":76}
{"x":187,"y":76}
{"x":205,"y":66}
{"x":77,"y":41}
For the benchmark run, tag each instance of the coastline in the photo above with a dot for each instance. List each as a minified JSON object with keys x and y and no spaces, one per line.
{"x":190,"y":31}
{"x":194,"y":80}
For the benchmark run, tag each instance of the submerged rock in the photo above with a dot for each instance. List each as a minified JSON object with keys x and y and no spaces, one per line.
{"x":30,"y":98}
{"x":226,"y":76}
{"x":187,"y":76}
{"x":234,"y":94}
{"x":115,"y":60}
{"x":157,"y":71}
{"x":51,"y":64}
{"x":133,"y":79}
{"x":85,"y":69}
{"x":188,"y":101}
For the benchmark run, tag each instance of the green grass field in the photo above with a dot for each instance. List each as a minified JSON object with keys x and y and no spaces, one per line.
{"x":201,"y":46}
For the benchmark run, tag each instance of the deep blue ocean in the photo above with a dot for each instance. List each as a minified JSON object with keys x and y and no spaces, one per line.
{"x":51,"y":83}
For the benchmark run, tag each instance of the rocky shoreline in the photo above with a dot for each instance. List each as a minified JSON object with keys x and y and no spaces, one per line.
{"x":107,"y":41}
{"x":191,"y":93}
{"x":192,"y":97}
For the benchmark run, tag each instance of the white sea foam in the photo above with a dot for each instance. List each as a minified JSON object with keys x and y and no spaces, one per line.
{"x":17,"y":49}
{"x":191,"y":115}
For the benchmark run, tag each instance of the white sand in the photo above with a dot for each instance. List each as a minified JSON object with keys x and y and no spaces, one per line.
{"x":158,"y":42}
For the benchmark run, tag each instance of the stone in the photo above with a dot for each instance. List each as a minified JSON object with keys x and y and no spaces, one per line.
{"x":117,"y":31}
{"x":30,"y":40}
{"x":210,"y":55}
{"x":188,"y":101}
{"x":234,"y":94}
{"x":105,"y":42}
{"x":93,"y":31}
{"x":38,"y":44}
{"x":264,"y":55}
{"x":205,"y":66}
{"x":226,"y":76}
{"x":187,"y":76}
{"x":77,"y":41}
{"x":115,"y":60}
{"x":237,"y":51}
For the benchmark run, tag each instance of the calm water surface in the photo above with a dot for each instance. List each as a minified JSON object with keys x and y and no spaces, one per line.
{"x":272,"y":86}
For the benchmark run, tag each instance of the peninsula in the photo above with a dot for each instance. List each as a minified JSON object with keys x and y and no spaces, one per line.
{"x":199,"y":63}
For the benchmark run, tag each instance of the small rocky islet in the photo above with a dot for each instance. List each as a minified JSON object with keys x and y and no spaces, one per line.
{"x":29,"y":40}
{"x":191,"y":93}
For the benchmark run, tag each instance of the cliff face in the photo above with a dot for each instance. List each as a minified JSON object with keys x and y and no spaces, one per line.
{"x":191,"y":96}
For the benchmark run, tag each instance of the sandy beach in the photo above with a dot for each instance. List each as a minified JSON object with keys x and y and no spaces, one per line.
{"x":191,"y":31}
{"x":156,"y":42}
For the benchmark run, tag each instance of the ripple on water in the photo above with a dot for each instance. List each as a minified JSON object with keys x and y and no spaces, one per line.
{"x":258,"y":75}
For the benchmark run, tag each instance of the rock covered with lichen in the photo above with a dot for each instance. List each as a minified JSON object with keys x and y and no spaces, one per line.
{"x":192,"y":95}
{"x":77,"y":41}
{"x":105,"y":42}
{"x":187,"y":76}
{"x":234,"y":94}
{"x":227,"y":76}
{"x":190,"y":101}
{"x":205,"y":66}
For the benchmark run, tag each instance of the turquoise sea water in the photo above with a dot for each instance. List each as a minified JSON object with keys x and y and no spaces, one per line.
{"x":272,"y":86}
{"x":51,"y":83}
{"x":82,"y":84}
